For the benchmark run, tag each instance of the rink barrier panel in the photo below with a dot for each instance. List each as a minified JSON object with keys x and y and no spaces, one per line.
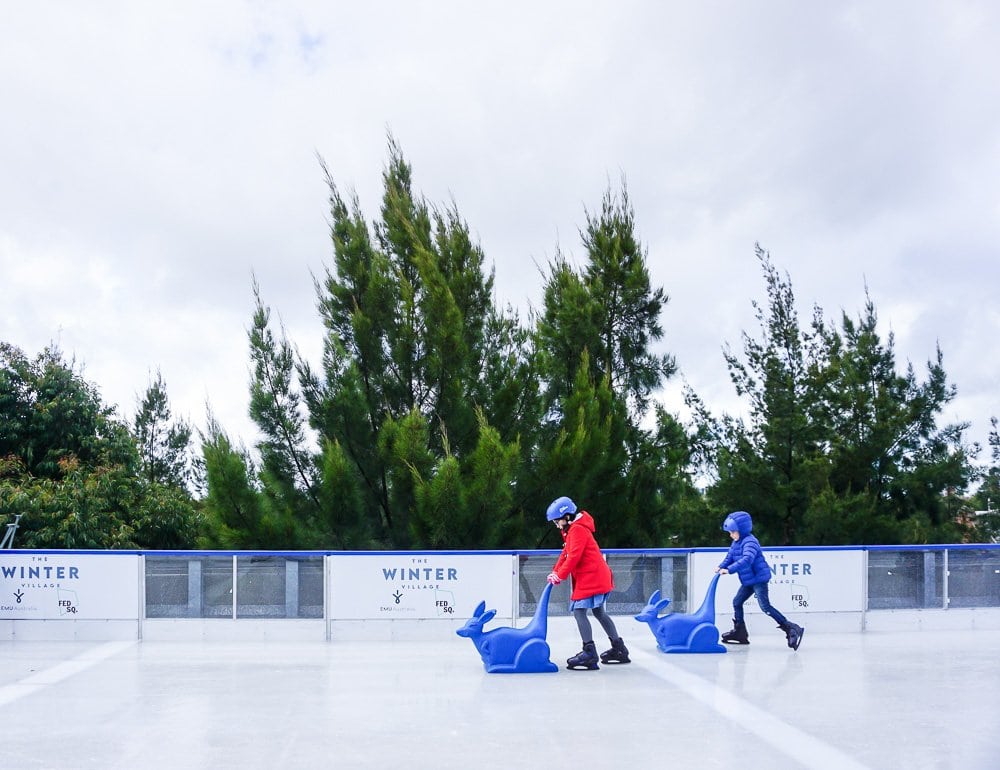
{"x":389,"y":595}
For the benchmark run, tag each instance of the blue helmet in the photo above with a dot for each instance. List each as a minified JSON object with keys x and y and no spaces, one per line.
{"x":560,"y":507}
{"x":738,"y":521}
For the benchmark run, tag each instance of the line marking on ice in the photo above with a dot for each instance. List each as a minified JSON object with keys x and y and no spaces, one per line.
{"x":789,"y":740}
{"x":57,"y":673}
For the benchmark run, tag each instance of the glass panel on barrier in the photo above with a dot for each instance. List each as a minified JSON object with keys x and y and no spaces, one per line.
{"x":167,"y":587}
{"x":674,"y":583}
{"x":310,"y":587}
{"x":216,"y":587}
{"x":637,"y":575}
{"x":973,"y":578}
{"x":531,"y":573}
{"x":905,"y":580}
{"x":262,"y":587}
{"x":182,"y":586}
{"x":279,"y":587}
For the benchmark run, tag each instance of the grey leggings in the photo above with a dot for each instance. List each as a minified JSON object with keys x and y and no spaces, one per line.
{"x":583,"y":623}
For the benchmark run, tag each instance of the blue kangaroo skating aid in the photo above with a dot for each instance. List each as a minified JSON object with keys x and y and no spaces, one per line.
{"x":507,"y":650}
{"x":681,"y":632}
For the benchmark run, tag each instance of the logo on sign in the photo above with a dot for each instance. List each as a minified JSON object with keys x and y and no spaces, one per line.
{"x":444,"y":603}
{"x":66,"y":607}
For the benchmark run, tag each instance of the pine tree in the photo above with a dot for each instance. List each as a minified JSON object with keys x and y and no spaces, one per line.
{"x":593,"y":445}
{"x":884,"y":437}
{"x":233,"y":505}
{"x":838,"y":446}
{"x":164,"y":443}
{"x":414,"y":347}
{"x":288,"y":467}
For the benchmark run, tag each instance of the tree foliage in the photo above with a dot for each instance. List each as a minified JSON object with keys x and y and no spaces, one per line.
{"x":838,"y":446}
{"x":163,"y":442}
{"x":418,"y":364}
{"x":596,"y":336}
{"x":233,"y":505}
{"x":608,"y":309}
{"x":73,"y":470}
{"x":985,"y":504}
{"x":437,"y":419}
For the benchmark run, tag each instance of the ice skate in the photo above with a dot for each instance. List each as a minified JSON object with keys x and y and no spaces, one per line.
{"x":617,"y":654}
{"x":586,"y":660}
{"x":793,"y":634}
{"x":738,"y":635}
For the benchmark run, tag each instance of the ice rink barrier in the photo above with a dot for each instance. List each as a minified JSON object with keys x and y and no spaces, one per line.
{"x":316,"y":595}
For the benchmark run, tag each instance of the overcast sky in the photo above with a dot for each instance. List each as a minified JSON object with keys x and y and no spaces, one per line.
{"x":154,"y":157}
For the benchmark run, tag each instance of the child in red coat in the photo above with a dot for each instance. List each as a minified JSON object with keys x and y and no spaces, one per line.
{"x":581,"y":559}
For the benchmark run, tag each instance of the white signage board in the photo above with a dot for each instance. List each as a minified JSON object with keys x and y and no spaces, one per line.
{"x":802,"y":580}
{"x":68,"y":586}
{"x":401,"y":586}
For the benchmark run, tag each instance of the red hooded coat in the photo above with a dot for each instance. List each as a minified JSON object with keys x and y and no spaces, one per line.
{"x":581,"y":559}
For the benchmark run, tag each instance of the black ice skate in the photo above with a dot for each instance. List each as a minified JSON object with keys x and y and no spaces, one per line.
{"x":617,"y":654}
{"x":586,"y":660}
{"x":793,"y":634}
{"x":738,"y":635}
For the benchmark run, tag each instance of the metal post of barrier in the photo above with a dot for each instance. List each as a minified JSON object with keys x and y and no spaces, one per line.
{"x":291,"y":588}
{"x":195,"y":589}
{"x":326,"y":595}
{"x":946,"y":598}
{"x":8,"y":538}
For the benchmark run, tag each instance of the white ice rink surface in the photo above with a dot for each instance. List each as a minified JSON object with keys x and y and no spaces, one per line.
{"x":926,"y":699}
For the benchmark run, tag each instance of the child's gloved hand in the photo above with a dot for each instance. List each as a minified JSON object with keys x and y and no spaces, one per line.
{"x":553,"y":578}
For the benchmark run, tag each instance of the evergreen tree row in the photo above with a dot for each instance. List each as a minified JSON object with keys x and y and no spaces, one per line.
{"x":437,"y":419}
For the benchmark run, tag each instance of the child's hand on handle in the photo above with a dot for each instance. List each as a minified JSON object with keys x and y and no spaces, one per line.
{"x":721,"y":571}
{"x":553,"y":578}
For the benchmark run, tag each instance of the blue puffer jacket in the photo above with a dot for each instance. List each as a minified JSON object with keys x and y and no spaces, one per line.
{"x":745,"y":557}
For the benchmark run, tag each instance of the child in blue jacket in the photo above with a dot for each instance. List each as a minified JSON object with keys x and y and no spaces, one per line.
{"x":746,"y":559}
